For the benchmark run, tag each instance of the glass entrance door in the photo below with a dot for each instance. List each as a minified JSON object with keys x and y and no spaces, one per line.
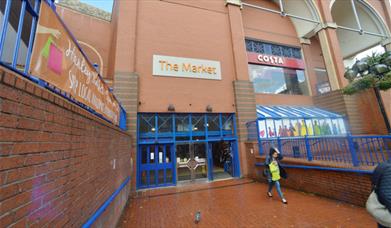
{"x":156,"y":165}
{"x":191,"y":161}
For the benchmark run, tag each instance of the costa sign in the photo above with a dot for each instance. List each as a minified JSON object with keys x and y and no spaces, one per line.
{"x":273,"y":60}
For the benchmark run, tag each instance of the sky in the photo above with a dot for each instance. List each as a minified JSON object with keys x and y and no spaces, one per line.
{"x":105,"y":5}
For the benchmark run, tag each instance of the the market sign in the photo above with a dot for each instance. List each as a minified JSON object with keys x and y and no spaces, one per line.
{"x":186,"y":67}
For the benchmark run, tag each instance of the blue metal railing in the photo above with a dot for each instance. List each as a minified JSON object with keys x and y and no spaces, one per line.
{"x":17,"y":35}
{"x":348,"y":149}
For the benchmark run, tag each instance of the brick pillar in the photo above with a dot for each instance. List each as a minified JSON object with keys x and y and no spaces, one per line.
{"x":125,"y":75}
{"x":330,"y":48}
{"x":310,"y":69}
{"x":126,"y":90}
{"x":243,"y":88}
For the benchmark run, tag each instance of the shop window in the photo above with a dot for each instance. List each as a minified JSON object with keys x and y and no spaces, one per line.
{"x":272,"y":128}
{"x":278,"y":80}
{"x":272,"y":49}
{"x":182,"y":123}
{"x":322,"y":81}
{"x":228,"y":124}
{"x":164,"y":123}
{"x":198,"y":122}
{"x":147,"y":123}
{"x":213,"y":122}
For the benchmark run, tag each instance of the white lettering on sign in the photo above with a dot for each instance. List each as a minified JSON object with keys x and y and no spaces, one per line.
{"x":270,"y":59}
{"x":186,"y":67}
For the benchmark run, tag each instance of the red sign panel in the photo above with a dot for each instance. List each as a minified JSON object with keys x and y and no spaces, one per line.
{"x":273,"y":60}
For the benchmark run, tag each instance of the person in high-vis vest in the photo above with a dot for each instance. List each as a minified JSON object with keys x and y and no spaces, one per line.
{"x":274,"y":172}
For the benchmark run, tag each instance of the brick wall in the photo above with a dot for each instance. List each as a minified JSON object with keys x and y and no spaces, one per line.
{"x":361,"y":110}
{"x":58,"y":162}
{"x":348,"y":187}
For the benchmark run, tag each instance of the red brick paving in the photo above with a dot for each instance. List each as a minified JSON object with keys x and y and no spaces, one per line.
{"x":243,"y":205}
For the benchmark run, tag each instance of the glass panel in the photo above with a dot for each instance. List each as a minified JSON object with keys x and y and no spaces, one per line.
{"x":152,"y":155}
{"x":270,"y":128}
{"x":262,"y":128}
{"x":161,"y":154}
{"x":144,"y":155}
{"x":147,"y":123}
{"x":324,"y":127}
{"x":328,"y":127}
{"x":198,"y":123}
{"x":277,"y":80}
{"x":12,"y":29}
{"x":32,"y":3}
{"x":279,"y":128}
{"x":310,"y":128}
{"x":197,"y":138}
{"x":152,"y":180}
{"x":286,"y":128}
{"x":182,"y":123}
{"x":2,"y":9}
{"x":161,"y":176}
{"x":322,"y":81}
{"x":182,"y":157}
{"x":169,"y":178}
{"x":201,"y":170}
{"x":316,"y":128}
{"x":227,"y":122}
{"x":342,"y":126}
{"x":222,"y":160}
{"x":168,"y":153}
{"x":24,"y":42}
{"x":213,"y":122}
{"x":165,"y":123}
{"x":143,"y":178}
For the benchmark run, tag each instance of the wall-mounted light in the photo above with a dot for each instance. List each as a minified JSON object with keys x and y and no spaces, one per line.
{"x":171,"y":108}
{"x":209,"y":108}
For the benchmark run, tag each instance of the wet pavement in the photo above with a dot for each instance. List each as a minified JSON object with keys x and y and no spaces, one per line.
{"x":239,"y":203}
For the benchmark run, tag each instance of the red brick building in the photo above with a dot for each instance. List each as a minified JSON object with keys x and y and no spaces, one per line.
{"x":190,"y":73}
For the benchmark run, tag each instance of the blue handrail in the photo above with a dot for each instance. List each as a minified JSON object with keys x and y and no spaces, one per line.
{"x":351,"y":151}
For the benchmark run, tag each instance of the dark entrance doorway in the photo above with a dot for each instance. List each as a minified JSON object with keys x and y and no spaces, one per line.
{"x":222,"y":154}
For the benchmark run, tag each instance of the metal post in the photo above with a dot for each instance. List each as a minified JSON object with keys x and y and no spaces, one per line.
{"x":353,"y":151}
{"x":282,"y":12}
{"x":279,"y":145}
{"x":259,"y":138}
{"x":308,"y":148}
{"x":356,"y":17}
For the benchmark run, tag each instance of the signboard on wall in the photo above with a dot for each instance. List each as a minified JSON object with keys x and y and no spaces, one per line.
{"x":272,"y":60}
{"x":186,"y":67}
{"x":57,"y":59}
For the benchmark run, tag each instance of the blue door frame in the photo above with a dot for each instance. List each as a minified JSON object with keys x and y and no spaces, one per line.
{"x":151,"y":123}
{"x":156,"y":171}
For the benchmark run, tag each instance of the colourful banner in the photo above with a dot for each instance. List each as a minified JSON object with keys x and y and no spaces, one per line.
{"x":57,"y":60}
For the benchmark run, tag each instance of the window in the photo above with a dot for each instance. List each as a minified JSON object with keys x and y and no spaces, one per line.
{"x":278,"y":80}
{"x":322,"y":81}
{"x":272,"y":49}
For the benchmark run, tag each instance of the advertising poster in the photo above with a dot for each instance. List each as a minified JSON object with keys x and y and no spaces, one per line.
{"x":57,"y":60}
